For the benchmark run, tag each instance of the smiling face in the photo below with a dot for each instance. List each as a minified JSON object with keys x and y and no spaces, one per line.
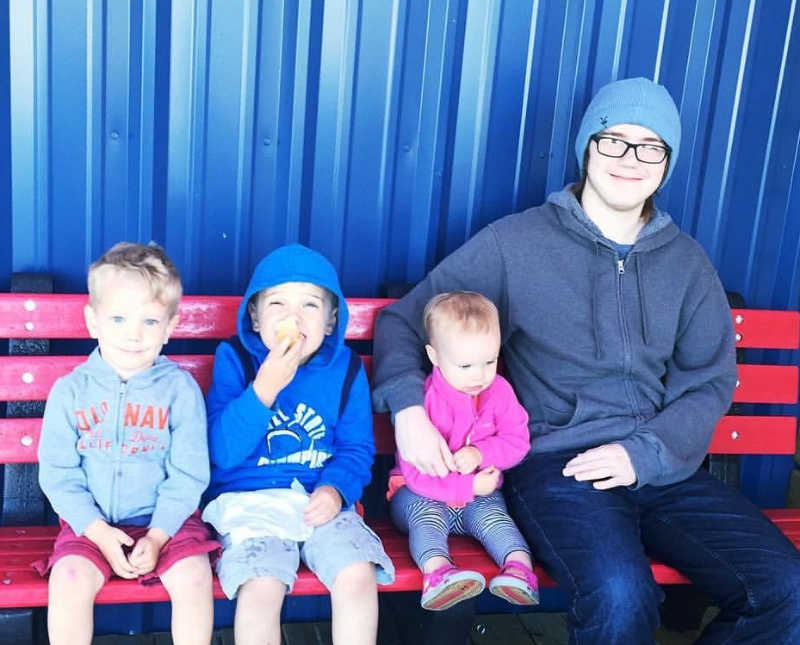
{"x":130,"y":325}
{"x":621,"y":184}
{"x":467,"y":358}
{"x":303,"y":306}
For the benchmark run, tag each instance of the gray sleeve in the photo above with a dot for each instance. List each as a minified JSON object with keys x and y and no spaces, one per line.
{"x":61,"y":477}
{"x":187,"y":466}
{"x":399,"y":346}
{"x":700,"y":380}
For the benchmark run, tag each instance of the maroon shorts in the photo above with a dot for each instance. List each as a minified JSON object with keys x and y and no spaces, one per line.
{"x":193,"y":538}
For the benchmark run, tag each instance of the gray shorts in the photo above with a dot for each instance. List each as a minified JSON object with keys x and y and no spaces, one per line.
{"x":343,"y":541}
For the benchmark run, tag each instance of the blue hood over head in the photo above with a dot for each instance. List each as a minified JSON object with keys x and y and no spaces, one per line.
{"x":294,"y":263}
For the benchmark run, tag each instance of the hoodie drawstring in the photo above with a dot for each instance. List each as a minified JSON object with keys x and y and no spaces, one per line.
{"x":642,"y":303}
{"x":595,"y":322}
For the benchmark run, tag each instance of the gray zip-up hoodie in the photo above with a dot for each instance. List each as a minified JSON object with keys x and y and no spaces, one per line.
{"x":120,"y":451}
{"x":638,"y":352}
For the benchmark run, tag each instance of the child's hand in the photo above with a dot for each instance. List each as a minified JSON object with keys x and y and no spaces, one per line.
{"x":110,"y":541}
{"x":277,"y":371}
{"x":144,"y":556}
{"x":485,"y":482}
{"x":467,"y":459}
{"x":323,"y":505}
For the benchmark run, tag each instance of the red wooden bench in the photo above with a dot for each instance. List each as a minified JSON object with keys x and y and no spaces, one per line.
{"x":29,"y":378}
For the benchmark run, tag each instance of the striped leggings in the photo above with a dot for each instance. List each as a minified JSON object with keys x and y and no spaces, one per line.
{"x":429,"y":522}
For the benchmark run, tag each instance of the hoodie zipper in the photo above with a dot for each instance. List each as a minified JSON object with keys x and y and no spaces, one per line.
{"x":626,"y":339}
{"x":113,"y":505}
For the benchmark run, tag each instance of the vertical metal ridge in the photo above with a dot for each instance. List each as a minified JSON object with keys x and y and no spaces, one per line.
{"x":765,"y":170}
{"x":523,"y":119}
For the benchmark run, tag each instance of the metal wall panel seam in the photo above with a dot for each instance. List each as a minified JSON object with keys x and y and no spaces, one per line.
{"x":732,"y":124}
{"x":147,"y":118}
{"x":474,"y":106}
{"x":765,"y":170}
{"x":94,"y":139}
{"x":29,"y":134}
{"x":524,"y":134}
{"x":187,"y":123}
{"x":662,"y":34}
{"x":245,"y":148}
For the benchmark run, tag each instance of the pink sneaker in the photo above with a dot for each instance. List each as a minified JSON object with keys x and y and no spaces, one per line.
{"x":516,"y":583}
{"x":447,"y":585}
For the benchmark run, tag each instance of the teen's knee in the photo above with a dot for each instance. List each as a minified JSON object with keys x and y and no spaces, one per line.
{"x":76,"y":576}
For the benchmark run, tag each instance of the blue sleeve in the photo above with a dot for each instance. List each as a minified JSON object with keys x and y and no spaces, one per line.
{"x":236,"y":416}
{"x":350,"y":468}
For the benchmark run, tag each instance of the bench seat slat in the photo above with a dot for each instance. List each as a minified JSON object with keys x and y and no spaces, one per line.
{"x":766,"y":329}
{"x":22,"y":587}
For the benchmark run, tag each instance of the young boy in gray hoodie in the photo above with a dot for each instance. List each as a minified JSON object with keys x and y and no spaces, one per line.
{"x":123,"y":456}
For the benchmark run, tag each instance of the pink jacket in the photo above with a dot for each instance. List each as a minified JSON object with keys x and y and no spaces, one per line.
{"x":496,"y":424}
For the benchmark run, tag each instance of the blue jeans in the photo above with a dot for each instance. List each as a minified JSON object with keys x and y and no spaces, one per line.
{"x":596,"y":545}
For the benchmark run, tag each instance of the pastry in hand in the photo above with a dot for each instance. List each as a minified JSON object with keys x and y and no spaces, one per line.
{"x":287,"y":328}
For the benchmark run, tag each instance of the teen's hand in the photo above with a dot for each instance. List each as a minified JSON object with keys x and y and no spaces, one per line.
{"x":467,"y":459}
{"x":323,"y":505}
{"x":607,"y":466}
{"x":144,"y":556}
{"x":485,"y":482}
{"x":278,"y":370}
{"x":420,"y":444}
{"x":110,"y":541}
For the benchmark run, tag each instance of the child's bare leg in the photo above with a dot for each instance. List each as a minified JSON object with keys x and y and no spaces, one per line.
{"x":74,"y":583}
{"x":258,"y":612}
{"x":354,"y":605}
{"x":431,"y":564}
{"x":520,"y":556}
{"x":188,"y":583}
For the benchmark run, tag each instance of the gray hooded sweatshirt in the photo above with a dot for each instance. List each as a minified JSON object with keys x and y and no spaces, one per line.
{"x":637,"y":351}
{"x":130,"y":452}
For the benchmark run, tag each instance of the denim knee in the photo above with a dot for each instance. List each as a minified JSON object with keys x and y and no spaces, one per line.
{"x":621,"y":607}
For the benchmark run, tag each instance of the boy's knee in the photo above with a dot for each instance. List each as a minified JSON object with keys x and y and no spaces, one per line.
{"x":355,"y":578}
{"x":188,"y":574}
{"x":76,"y":576}
{"x":266,"y":593}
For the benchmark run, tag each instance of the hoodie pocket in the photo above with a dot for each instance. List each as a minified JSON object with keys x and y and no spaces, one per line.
{"x":557,"y":417}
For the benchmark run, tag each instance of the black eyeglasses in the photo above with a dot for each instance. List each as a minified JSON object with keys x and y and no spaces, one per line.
{"x":645,"y":152}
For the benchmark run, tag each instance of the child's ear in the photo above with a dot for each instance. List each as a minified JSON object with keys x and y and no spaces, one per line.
{"x":173,"y":322}
{"x":330,"y":324}
{"x":90,"y":318}
{"x":252,"y":309}
{"x":432,"y":354}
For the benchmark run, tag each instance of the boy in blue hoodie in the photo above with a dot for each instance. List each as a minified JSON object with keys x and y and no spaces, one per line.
{"x":291,"y":443}
{"x":123,"y":456}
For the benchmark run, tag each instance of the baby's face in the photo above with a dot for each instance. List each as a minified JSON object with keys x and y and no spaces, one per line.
{"x":300,"y":309}
{"x":129,"y":325}
{"x":467,"y":359}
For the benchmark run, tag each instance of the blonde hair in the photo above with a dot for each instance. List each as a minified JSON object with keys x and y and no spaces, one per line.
{"x":148,"y":262}
{"x":469,"y":310}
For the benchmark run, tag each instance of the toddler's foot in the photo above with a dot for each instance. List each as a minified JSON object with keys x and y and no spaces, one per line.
{"x":516,"y":583}
{"x":447,"y":585}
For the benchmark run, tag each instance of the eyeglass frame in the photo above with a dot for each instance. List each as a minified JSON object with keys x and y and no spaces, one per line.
{"x":596,"y":138}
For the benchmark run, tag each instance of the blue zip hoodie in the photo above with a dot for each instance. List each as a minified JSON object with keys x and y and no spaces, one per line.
{"x":637,"y":351}
{"x":130,"y":451}
{"x":302,"y":435}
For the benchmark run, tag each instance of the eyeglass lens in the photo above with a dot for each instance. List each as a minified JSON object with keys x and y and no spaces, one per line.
{"x":644,"y":152}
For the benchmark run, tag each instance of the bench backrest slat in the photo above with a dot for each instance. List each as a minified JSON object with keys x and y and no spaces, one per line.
{"x":56,"y":316}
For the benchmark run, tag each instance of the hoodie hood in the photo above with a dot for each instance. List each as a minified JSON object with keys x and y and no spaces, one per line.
{"x":294,"y":263}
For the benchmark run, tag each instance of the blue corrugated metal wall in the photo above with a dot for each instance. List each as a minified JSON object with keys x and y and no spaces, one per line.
{"x":382,"y":132}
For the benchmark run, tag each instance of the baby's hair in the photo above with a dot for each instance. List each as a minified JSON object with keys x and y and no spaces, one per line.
{"x":469,"y":310}
{"x":149,"y":262}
